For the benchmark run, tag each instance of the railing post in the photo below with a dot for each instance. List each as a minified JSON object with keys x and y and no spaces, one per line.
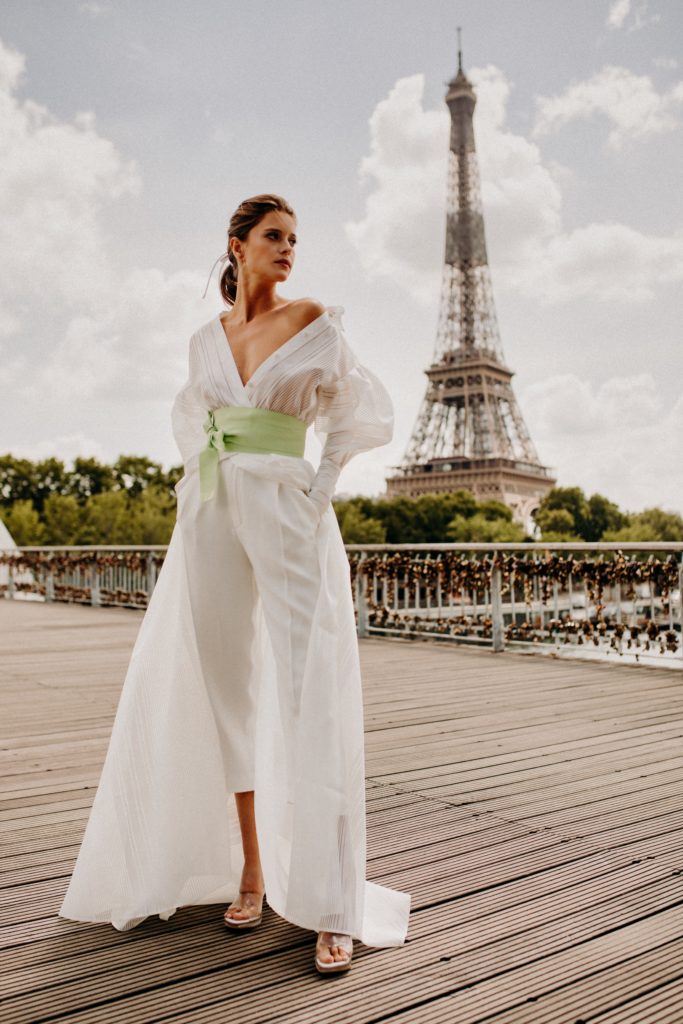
{"x":361,"y":598}
{"x":95,"y":598}
{"x":10,"y":581}
{"x":497,"y":625}
{"x":151,"y":575}
{"x":49,"y":587}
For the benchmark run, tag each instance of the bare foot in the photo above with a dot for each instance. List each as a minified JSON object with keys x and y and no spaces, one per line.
{"x":330,"y":951}
{"x":250,"y":898}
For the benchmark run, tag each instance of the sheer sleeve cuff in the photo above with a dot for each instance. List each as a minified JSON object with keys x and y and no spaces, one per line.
{"x":324,"y":483}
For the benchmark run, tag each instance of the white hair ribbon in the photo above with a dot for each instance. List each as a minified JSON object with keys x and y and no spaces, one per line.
{"x":223,"y":256}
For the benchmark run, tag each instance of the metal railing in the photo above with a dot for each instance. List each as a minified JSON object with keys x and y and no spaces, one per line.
{"x":121,"y":575}
{"x":579,"y":599}
{"x":561,"y":598}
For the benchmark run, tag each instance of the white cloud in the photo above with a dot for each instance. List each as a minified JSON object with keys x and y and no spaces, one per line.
{"x":616,"y":438}
{"x":55,"y":179}
{"x":521,"y":193}
{"x":617,"y":13}
{"x":610,"y":261}
{"x":112,"y":342}
{"x":401,"y":231}
{"x":630,"y":102}
{"x":93,"y":9}
{"x":131,"y":351}
{"x":406,"y":169}
{"x":641,"y":18}
{"x":667,"y":63}
{"x":12,"y":67}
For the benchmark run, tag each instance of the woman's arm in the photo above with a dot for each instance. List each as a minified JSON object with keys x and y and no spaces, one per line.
{"x":355,"y":414}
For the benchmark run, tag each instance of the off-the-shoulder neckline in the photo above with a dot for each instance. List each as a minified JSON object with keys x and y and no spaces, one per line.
{"x":291,"y":342}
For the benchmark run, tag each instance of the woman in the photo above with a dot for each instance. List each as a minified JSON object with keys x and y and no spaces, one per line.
{"x":245,"y":678}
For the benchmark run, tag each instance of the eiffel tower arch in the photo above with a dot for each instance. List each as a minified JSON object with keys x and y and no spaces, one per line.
{"x":469,"y":432}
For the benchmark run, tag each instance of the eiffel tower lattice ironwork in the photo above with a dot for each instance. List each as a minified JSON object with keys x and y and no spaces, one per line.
{"x":469,"y":432}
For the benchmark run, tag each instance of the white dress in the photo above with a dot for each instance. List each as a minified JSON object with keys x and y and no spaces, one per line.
{"x":245,"y":671}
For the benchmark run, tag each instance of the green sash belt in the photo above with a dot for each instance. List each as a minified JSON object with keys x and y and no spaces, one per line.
{"x":242,"y":428}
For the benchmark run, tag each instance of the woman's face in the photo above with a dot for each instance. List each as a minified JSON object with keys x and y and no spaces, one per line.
{"x":268,"y":250}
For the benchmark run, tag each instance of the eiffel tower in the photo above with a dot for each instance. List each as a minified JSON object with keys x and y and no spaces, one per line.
{"x":469,"y":432}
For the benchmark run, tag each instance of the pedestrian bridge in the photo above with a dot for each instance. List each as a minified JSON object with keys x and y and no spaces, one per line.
{"x":531,"y":806}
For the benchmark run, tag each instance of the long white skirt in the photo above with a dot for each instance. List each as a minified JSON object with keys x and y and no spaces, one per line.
{"x":244,"y":675}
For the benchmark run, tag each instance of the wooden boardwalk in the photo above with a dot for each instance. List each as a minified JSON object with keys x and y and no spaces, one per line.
{"x":532,"y":807}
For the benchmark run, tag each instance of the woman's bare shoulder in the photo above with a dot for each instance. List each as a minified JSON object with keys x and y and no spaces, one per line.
{"x":306,"y":310}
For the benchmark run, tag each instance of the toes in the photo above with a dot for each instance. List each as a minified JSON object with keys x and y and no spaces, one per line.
{"x":333,"y":953}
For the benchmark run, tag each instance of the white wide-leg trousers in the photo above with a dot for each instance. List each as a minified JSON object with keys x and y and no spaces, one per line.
{"x":254,"y":540}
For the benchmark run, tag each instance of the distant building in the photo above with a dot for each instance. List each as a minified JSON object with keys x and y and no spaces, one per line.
{"x":470,"y":432}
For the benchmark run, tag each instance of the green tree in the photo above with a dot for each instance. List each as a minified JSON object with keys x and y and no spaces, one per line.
{"x":152,"y":516}
{"x":569,"y":499}
{"x":483,"y":529}
{"x":62,"y":516}
{"x":134,"y":473}
{"x":359,"y":529}
{"x":425,"y":519}
{"x":15,"y":479}
{"x":492,"y":509}
{"x":171,"y":478}
{"x":49,"y":477}
{"x":556,"y":524}
{"x":106,"y":519}
{"x":89,"y":477}
{"x":23,"y":480}
{"x":650,"y":524}
{"x":435,"y":511}
{"x":602,"y":515}
{"x":397,"y":517}
{"x":23,"y":522}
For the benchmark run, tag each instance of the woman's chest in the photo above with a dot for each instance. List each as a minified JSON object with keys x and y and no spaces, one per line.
{"x":285,"y":379}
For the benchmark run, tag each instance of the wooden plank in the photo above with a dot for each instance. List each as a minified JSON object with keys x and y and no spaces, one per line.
{"x":531,"y":807}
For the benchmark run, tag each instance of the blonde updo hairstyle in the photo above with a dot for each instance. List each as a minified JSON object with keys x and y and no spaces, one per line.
{"x":246,"y":216}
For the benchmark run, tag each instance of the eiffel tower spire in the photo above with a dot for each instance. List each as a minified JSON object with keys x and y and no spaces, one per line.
{"x":469,"y":432}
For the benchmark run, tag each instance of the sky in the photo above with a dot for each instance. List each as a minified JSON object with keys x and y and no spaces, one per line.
{"x":129,"y":132}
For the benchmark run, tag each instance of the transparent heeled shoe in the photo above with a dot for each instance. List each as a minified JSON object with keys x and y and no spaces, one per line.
{"x":345,"y":942}
{"x":250,"y":901}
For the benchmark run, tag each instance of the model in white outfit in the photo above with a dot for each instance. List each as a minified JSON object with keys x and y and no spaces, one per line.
{"x":245,"y":676}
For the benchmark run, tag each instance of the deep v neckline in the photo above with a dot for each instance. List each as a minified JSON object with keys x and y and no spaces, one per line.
{"x":278,"y":352}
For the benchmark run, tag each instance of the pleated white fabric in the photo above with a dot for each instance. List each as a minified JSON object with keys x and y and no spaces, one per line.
{"x":245,"y":671}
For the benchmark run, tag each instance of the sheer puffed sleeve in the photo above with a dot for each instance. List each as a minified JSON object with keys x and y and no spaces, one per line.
{"x":189,"y":412}
{"x":354,"y":414}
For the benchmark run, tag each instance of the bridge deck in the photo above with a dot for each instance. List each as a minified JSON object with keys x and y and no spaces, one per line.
{"x":531,"y":807}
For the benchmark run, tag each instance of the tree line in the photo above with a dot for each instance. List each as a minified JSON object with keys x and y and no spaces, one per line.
{"x":133,"y":501}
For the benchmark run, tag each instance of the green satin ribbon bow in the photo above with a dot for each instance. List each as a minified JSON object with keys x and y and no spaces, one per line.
{"x":241,"y":428}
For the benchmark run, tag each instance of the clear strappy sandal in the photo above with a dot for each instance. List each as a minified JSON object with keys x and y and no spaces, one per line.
{"x":252,"y":901}
{"x":333,"y":939}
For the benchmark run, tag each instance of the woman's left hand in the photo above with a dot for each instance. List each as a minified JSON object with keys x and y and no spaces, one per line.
{"x":320,"y":500}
